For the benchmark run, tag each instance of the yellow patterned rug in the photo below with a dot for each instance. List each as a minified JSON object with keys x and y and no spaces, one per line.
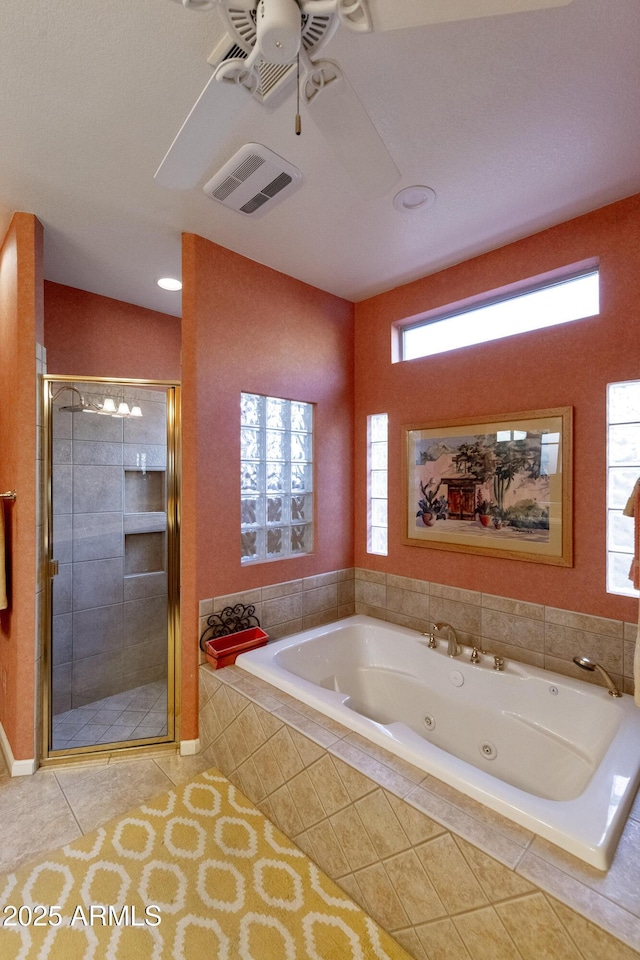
{"x":196,"y":874}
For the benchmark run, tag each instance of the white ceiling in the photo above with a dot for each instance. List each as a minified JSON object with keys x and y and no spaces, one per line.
{"x":517,"y":122}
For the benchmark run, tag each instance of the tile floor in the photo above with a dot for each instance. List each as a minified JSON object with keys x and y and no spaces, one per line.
{"x":132,"y":715}
{"x":54,"y":806}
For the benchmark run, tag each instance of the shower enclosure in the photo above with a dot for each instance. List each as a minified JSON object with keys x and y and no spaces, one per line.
{"x":111,"y":550}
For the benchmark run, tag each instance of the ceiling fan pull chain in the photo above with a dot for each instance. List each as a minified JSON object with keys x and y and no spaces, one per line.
{"x":298,"y":118}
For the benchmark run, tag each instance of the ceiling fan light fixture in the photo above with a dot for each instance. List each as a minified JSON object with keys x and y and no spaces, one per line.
{"x":414,"y":199}
{"x":278,"y":26}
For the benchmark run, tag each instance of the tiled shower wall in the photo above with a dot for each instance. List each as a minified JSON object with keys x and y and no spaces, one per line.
{"x":532,"y":633}
{"x":41,"y":369}
{"x":109,"y":630}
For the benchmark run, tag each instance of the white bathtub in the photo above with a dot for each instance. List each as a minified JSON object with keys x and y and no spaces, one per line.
{"x":558,"y":756}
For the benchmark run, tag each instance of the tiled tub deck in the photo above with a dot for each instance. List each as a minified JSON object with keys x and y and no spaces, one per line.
{"x":445,"y":875}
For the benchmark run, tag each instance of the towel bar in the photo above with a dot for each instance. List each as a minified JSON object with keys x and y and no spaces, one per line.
{"x":9,"y":495}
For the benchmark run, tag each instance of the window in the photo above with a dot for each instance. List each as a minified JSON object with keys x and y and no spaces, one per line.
{"x":377,"y":445}
{"x":623,"y":469}
{"x":276,"y":478}
{"x":545,"y":306}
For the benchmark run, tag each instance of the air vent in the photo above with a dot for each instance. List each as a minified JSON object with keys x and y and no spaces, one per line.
{"x":226,"y":49}
{"x":272,"y":75}
{"x":235,"y":52}
{"x":253,"y":181}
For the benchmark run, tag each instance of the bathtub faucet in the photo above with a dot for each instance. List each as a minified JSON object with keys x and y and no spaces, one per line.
{"x":453,"y":647}
{"x":431,"y":636}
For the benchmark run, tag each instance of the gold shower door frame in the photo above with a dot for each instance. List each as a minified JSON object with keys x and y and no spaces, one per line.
{"x":49,"y":756}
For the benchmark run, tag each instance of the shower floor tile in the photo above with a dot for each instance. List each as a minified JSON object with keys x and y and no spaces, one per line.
{"x":131,"y":715}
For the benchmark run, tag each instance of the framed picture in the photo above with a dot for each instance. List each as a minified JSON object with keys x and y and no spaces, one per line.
{"x":498,"y":487}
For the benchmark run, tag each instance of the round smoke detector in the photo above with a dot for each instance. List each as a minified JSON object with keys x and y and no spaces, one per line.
{"x":414,"y":199}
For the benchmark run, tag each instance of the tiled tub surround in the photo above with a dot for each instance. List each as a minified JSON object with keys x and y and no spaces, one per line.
{"x":532,"y":633}
{"x":109,"y":600}
{"x":561,"y":759}
{"x":286,"y":608}
{"x":445,"y":875}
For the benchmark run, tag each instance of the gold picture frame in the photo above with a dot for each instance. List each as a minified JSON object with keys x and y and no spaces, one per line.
{"x":500,"y":486}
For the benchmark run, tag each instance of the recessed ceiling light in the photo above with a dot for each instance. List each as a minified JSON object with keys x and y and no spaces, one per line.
{"x":169,"y":283}
{"x":412,"y":199}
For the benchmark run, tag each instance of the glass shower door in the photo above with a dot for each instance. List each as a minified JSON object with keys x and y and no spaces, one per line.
{"x":112,"y":537}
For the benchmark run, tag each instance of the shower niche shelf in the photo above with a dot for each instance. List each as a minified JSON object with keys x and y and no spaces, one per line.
{"x":145,"y":522}
{"x":144,"y":491}
{"x":144,"y":553}
{"x":151,"y":522}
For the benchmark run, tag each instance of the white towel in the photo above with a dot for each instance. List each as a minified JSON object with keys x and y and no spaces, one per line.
{"x":632,"y":509}
{"x":3,"y":567}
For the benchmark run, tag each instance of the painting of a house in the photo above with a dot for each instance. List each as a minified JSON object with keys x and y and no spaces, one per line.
{"x":498,"y":486}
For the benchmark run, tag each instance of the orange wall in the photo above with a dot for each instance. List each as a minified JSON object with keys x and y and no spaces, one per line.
{"x":244,"y":327}
{"x":20,"y":322}
{"x":563,"y":366}
{"x":93,"y":336}
{"x":249,"y":328}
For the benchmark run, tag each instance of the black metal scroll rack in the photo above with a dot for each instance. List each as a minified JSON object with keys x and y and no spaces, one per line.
{"x":229,"y":620}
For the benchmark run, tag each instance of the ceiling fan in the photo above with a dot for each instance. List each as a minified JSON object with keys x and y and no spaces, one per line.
{"x":273,"y":43}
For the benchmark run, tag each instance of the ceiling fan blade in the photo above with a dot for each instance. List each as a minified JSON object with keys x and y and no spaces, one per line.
{"x":400,"y":14}
{"x":204,"y":130}
{"x":334,"y":106}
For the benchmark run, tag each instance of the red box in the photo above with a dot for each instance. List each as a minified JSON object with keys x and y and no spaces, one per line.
{"x":223,"y":650}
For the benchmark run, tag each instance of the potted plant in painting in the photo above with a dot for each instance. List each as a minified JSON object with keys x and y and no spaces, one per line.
{"x":431,"y":507}
{"x":484,"y":511}
{"x":498,"y":517}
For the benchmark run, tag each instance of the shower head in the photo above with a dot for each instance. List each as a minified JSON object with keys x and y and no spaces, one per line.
{"x":73,"y":408}
{"x":78,"y":407}
{"x":585,"y":663}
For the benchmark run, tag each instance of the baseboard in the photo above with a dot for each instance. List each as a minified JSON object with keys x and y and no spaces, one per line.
{"x":16,"y":768}
{"x":189,"y":748}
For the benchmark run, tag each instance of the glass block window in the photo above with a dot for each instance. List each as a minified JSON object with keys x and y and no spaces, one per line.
{"x":377,"y":497}
{"x":276,"y":478}
{"x":623,"y":469}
